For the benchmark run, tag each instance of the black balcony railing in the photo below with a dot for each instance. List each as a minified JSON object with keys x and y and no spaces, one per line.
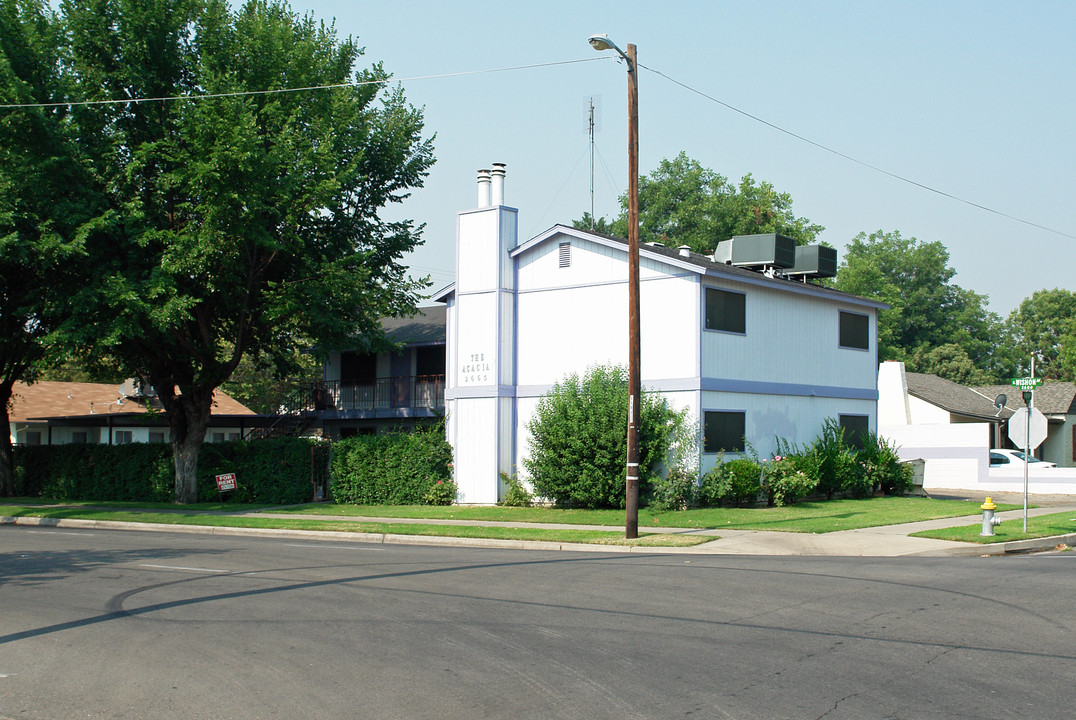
{"x":391,"y":393}
{"x":311,"y":402}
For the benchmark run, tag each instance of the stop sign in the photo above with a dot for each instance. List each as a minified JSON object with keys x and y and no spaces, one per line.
{"x":1022,"y":428}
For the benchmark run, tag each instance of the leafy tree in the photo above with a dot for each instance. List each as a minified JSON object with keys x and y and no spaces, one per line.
{"x":927,"y":310}
{"x":240,"y":224}
{"x":262,"y":388}
{"x":39,"y":202}
{"x":1045,"y":327}
{"x":683,"y":203}
{"x":578,"y":446}
{"x":951,"y":361}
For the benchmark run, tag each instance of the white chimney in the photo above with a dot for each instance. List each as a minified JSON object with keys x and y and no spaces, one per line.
{"x":497,"y":197}
{"x":483,"y":188}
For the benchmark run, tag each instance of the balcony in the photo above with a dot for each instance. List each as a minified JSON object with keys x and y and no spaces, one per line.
{"x":391,"y":396}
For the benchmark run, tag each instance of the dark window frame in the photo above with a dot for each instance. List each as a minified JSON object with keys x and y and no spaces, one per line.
{"x":854,"y":337}
{"x":855,"y":437}
{"x":721,"y":320}
{"x":715,"y":438}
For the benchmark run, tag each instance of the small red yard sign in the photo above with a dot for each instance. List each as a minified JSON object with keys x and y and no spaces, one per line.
{"x":226,"y":482}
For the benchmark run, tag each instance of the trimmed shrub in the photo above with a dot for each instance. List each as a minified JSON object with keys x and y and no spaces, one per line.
{"x":578,"y":446}
{"x":736,"y":482}
{"x":135,"y":472}
{"x":678,"y":490}
{"x":277,"y":471}
{"x":268,"y":471}
{"x":391,"y":469}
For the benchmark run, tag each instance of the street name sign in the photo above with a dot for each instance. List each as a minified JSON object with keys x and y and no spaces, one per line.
{"x":1026,"y":383}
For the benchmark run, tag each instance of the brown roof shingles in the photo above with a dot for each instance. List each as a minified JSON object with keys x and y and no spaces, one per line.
{"x":66,"y":399}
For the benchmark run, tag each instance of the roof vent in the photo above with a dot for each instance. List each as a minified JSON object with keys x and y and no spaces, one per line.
{"x":685,"y":250}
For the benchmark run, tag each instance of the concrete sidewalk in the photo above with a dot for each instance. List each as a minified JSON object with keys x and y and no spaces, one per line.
{"x":884,"y":541}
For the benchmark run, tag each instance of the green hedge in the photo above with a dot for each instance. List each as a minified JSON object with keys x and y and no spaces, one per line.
{"x":276,"y":471}
{"x":393,"y":468}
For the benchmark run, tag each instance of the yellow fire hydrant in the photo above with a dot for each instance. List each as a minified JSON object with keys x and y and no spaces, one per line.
{"x":989,"y":521}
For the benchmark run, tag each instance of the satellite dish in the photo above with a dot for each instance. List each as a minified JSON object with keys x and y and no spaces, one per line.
{"x":999,"y":402}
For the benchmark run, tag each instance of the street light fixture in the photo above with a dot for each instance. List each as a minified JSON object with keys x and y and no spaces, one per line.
{"x":631,"y":479}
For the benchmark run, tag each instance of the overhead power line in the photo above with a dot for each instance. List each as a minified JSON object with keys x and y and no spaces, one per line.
{"x":857,"y":161}
{"x":278,"y":91}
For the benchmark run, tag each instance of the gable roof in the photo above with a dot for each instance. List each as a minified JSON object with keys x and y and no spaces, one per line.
{"x":954,"y":397}
{"x":49,"y":399}
{"x":1051,"y":398}
{"x":427,"y":327}
{"x":686,"y":260}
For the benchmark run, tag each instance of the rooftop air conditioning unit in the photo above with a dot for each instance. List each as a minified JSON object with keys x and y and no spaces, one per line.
{"x":813,"y":262}
{"x":757,"y":252}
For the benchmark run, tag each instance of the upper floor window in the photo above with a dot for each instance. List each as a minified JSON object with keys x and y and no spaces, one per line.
{"x":726,"y":311}
{"x":855,"y":331}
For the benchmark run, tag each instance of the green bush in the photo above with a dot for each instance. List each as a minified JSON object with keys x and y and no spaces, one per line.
{"x":442,"y":492}
{"x":882,"y":465}
{"x":787,"y":479}
{"x":390,"y":469}
{"x":578,"y":439}
{"x":516,"y":493}
{"x":135,"y":472}
{"x":836,"y":464}
{"x":276,"y":471}
{"x":268,"y":471}
{"x":678,"y":490}
{"x":736,"y":482}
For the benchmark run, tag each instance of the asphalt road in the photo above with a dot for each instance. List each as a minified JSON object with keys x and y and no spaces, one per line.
{"x":105,"y":624}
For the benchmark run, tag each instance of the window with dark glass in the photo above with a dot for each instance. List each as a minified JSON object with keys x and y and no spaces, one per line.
{"x":723,"y":431}
{"x":726,"y":311}
{"x":856,"y":428}
{"x":855,"y":331}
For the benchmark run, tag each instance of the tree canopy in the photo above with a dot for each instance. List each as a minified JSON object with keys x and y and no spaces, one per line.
{"x":927,"y":311}
{"x":245,"y":223}
{"x":1045,"y":328}
{"x":39,"y":203}
{"x":683,"y":203}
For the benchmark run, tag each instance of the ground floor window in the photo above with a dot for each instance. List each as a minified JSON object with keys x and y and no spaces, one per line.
{"x":123,"y":437}
{"x":856,"y":429}
{"x":724,"y":431}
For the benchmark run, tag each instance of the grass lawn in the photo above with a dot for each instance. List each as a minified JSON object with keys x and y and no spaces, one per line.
{"x":186,"y":517}
{"x":1037,"y":527}
{"x":806,"y":517}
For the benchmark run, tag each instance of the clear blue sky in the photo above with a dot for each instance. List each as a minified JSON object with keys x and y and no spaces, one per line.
{"x":972,"y":98}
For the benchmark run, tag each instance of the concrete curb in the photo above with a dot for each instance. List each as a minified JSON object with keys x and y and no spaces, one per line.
{"x":710,"y":548}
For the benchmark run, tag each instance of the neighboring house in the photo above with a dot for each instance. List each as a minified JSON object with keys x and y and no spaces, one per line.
{"x":364,"y":392}
{"x":1057,"y":401}
{"x":754,"y":355}
{"x":951,"y":428}
{"x":60,"y":413}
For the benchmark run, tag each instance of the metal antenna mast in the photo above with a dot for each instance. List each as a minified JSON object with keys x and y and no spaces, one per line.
{"x":591,"y":128}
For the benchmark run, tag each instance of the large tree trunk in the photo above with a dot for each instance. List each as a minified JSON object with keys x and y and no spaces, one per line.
{"x":7,"y":464}
{"x":188,"y":420}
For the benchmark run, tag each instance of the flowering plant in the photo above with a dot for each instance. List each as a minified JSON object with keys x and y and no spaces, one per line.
{"x":442,"y":492}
